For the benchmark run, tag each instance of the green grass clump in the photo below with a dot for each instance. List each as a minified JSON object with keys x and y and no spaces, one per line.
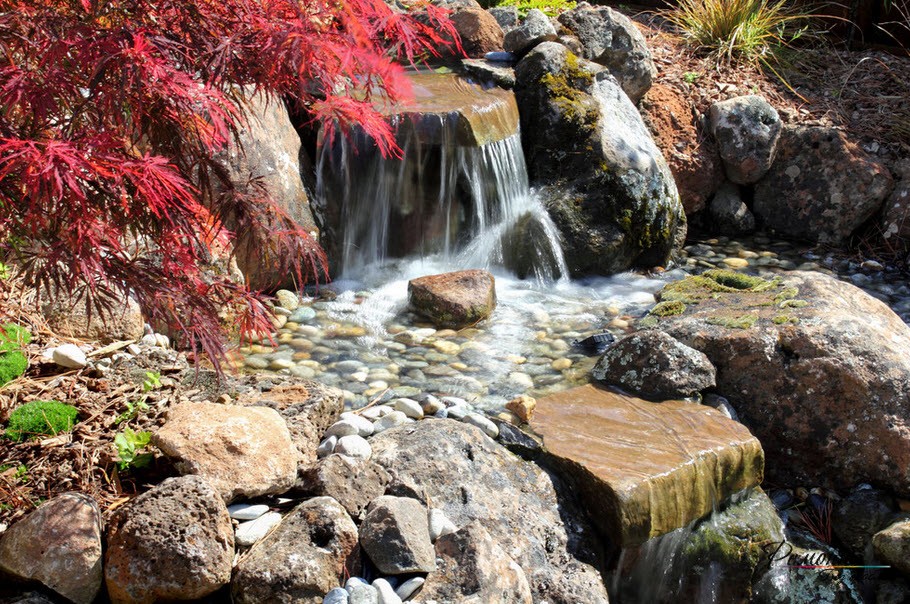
{"x":13,"y":337}
{"x":40,"y":418}
{"x":551,"y":8}
{"x":738,"y":30}
{"x":12,"y":365}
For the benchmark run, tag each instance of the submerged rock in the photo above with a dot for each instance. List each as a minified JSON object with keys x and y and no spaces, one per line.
{"x":457,"y":469}
{"x":454,"y":300}
{"x":821,"y":187}
{"x":816,"y":368}
{"x":653,"y":365}
{"x":58,"y":545}
{"x":617,"y":205}
{"x":643,"y":469}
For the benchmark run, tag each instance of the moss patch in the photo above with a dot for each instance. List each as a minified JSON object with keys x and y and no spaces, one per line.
{"x":40,"y":418}
{"x":784,"y":320}
{"x":12,"y":365}
{"x":13,"y":337}
{"x":566,"y":90}
{"x":739,"y":322}
{"x":669,"y":308}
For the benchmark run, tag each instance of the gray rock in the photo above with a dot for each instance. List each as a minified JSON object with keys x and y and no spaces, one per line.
{"x":728,"y":213}
{"x":409,"y":407}
{"x":59,"y":546}
{"x":174,"y":542}
{"x":247,"y":511}
{"x":859,"y":516}
{"x":302,"y":559}
{"x":304,"y":314}
{"x":892,"y":545}
{"x":474,"y":568}
{"x":353,"y":446}
{"x":326,"y":447}
{"x":409,"y":587}
{"x":488,"y":427}
{"x":785,"y":584}
{"x":336,"y":596}
{"x":895,"y":224}
{"x":250,"y":532}
{"x":440,"y":524}
{"x":506,"y":16}
{"x":654,"y":365}
{"x":363,"y":593}
{"x":535,"y":28}
{"x":386,"y":592}
{"x":353,"y":482}
{"x":747,"y":129}
{"x":617,"y":204}
{"x":69,"y":356}
{"x":241,"y":451}
{"x":344,"y":427}
{"x":395,"y":418}
{"x":457,"y":469}
{"x":821,"y":187}
{"x":611,"y":39}
{"x":364,"y":426}
{"x":395,"y":535}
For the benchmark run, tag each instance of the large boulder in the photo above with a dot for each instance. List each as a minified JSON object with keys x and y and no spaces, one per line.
{"x":669,"y":115}
{"x":353,"y":482}
{"x":455,"y":467}
{"x":746,"y":129}
{"x":241,"y":451}
{"x":611,"y":39}
{"x":58,"y":545}
{"x":454,"y":300}
{"x":643,"y":469}
{"x":821,"y":187}
{"x":174,"y":542}
{"x":267,"y":151}
{"x":895,"y":223}
{"x":479,"y":31}
{"x":616,"y":204}
{"x":654,"y":365}
{"x":301,"y":559}
{"x":815,"y":367}
{"x":474,"y":569}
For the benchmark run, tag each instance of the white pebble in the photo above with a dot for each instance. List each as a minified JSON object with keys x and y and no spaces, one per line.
{"x":395,"y":418}
{"x":409,"y":407}
{"x":364,"y":594}
{"x":247,"y":511}
{"x":250,"y":532}
{"x":69,"y":356}
{"x":354,"y":446}
{"x":458,"y":412}
{"x":353,"y":582}
{"x":336,"y":596}
{"x":407,"y":589}
{"x":326,"y":447}
{"x":134,"y":349}
{"x":488,"y":427}
{"x":374,"y":413}
{"x":387,"y":595}
{"x":454,"y":401}
{"x":342,"y":428}
{"x":440,"y":524}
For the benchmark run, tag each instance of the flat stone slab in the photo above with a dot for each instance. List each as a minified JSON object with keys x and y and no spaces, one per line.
{"x":643,"y":469}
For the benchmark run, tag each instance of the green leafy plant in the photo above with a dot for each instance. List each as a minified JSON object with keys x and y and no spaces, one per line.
{"x":133,"y":409}
{"x":690,"y":77}
{"x":4,"y":272}
{"x":130,"y":447}
{"x":551,"y":8}
{"x":152,"y":381}
{"x":40,"y":418}
{"x":21,"y":473}
{"x":738,"y":30}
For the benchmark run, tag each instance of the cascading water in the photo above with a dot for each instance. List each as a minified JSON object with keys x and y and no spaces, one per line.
{"x":468,"y":203}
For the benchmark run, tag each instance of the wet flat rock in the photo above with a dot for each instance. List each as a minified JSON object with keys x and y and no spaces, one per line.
{"x":642,"y":468}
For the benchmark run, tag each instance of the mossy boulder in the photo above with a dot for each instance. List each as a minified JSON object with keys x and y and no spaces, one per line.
{"x":606,"y":184}
{"x":816,"y":368}
{"x":40,"y":418}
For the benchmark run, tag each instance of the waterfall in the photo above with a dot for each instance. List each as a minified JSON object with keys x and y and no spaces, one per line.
{"x":469,"y":204}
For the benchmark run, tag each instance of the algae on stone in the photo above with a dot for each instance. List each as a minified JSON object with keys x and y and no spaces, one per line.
{"x":739,"y":322}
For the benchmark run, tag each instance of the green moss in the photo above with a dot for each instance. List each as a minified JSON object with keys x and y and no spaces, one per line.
{"x":647,"y":322}
{"x":740,"y":322}
{"x":669,"y":308}
{"x":786,"y":294}
{"x":784,"y":320}
{"x":739,"y":281}
{"x":566,"y":89}
{"x":793,"y":304}
{"x":12,"y":365}
{"x":13,"y":337}
{"x":40,"y":418}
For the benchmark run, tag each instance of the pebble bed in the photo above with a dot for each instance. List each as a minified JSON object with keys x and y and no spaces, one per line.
{"x":363,"y":340}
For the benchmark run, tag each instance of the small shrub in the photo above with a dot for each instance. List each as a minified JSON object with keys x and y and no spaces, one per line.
{"x":12,"y":365}
{"x":129,"y":444}
{"x":733,"y":30}
{"x":40,"y":418}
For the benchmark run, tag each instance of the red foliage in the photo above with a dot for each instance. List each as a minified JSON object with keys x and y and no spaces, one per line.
{"x":111,"y":112}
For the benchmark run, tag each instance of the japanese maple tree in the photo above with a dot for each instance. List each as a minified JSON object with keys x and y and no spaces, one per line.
{"x":112,"y":114}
